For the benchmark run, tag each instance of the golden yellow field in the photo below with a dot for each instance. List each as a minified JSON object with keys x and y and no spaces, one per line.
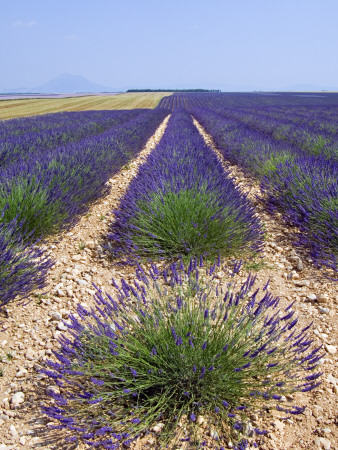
{"x":34,"y":106}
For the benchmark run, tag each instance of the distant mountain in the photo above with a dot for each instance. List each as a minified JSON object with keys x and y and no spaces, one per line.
{"x":67,"y":83}
{"x":63,"y":84}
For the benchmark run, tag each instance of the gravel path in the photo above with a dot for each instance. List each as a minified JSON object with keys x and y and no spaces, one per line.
{"x":29,"y":333}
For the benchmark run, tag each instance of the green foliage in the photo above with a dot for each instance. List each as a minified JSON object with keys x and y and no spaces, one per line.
{"x":316,"y":146}
{"x":27,"y":200}
{"x":256,"y":265}
{"x":82,"y":245}
{"x":321,"y":217}
{"x":269,"y":165}
{"x":187,"y":221}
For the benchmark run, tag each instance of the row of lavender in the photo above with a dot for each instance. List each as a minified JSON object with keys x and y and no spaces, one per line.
{"x":293,"y":150}
{"x":24,"y":138}
{"x":316,"y":136}
{"x":46,"y":192}
{"x":182,"y":203}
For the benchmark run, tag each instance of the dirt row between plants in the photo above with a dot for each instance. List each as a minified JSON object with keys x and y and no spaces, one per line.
{"x":30,"y":332}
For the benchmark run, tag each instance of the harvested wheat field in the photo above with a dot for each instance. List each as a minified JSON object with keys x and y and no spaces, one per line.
{"x":31,"y":106}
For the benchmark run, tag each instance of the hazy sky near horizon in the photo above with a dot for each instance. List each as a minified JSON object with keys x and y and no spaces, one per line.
{"x":244,"y":44}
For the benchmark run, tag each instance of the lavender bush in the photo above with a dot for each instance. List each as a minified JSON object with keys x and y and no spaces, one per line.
{"x":306,"y":191}
{"x":182,"y":203}
{"x":23,"y":266}
{"x":174,"y":348}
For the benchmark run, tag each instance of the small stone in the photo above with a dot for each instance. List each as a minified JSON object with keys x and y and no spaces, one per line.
{"x":21,"y":373}
{"x":200,"y":420}
{"x":81,"y":282}
{"x":76,"y":257}
{"x":312,"y":297}
{"x":248,"y":429}
{"x":17,"y":399}
{"x":332,"y":379}
{"x":158,"y":427}
{"x":299,"y":265}
{"x":214,"y":435}
{"x":61,"y":326}
{"x":5,"y":404}
{"x":65,"y":313}
{"x":322,"y":443}
{"x":331,"y":349}
{"x":301,"y":283}
{"x":55,"y":315}
{"x":322,"y":298}
{"x":50,"y":390}
{"x":90,"y":244}
{"x":317,"y":410}
{"x":13,"y":431}
{"x":22,"y":440}
{"x":30,"y":354}
{"x":60,"y":293}
{"x":327,"y":431}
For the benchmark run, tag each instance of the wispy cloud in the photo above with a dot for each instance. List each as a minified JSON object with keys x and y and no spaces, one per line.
{"x":22,"y":23}
{"x":72,"y":37}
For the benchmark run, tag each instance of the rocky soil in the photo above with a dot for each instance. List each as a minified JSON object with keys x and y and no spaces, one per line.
{"x":30,"y":331}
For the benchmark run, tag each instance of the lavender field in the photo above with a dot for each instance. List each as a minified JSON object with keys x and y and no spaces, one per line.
{"x":161,"y":329}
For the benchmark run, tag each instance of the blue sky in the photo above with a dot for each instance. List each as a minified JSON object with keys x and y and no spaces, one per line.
{"x":242,"y":44}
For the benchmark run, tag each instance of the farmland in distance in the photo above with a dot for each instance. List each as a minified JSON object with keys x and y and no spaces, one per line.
{"x":33,"y":106}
